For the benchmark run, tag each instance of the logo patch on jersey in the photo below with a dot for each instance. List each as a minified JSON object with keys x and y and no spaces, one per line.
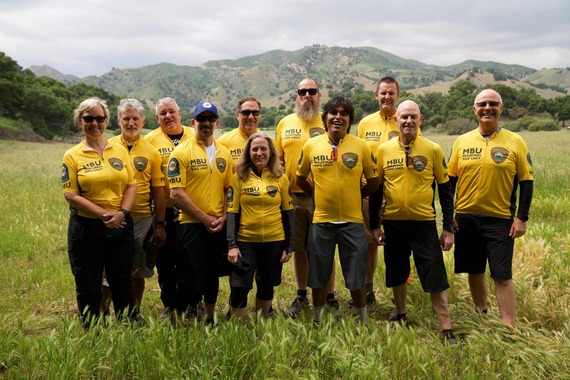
{"x":444,"y":163}
{"x":313,"y":132}
{"x":64,"y":173}
{"x":271,"y":191}
{"x":116,"y":163}
{"x":140,"y":163}
{"x":173,"y":168}
{"x":300,"y":158}
{"x":373,"y":158}
{"x":393,"y":134}
{"x":350,"y":160}
{"x":221,"y":164}
{"x":419,"y":163}
{"x":499,"y":155}
{"x":528,"y":159}
{"x":230,"y":194}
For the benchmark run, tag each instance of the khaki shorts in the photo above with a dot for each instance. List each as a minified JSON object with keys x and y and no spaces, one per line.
{"x":140,"y":270}
{"x":304,"y":208}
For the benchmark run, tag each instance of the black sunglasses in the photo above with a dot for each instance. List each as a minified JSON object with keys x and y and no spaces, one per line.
{"x":304,"y":91}
{"x":203,"y":118}
{"x":98,"y":119}
{"x":491,"y":104}
{"x":409,"y":158}
{"x":246,"y":113}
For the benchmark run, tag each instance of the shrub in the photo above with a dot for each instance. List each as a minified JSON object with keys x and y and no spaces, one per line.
{"x":519,"y":124}
{"x":460,"y":126}
{"x":543,"y":125}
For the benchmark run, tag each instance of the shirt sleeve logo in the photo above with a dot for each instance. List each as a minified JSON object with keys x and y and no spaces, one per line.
{"x":300,"y":158}
{"x":350,"y":160}
{"x":271,"y":191}
{"x":529,"y":160}
{"x":116,"y":163}
{"x":444,"y":163}
{"x":373,"y":158}
{"x":230,"y":194}
{"x":499,"y":155}
{"x":173,"y":168}
{"x":65,"y":173}
{"x":140,"y":163}
{"x":221,"y":164}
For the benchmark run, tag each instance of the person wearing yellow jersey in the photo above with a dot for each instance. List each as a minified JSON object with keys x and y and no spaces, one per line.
{"x":170,"y":133}
{"x":291,"y":134}
{"x":375,"y":129}
{"x":247,"y":113}
{"x":260,"y":224}
{"x":489,"y":164}
{"x":99,"y":184}
{"x":199,"y":172}
{"x":337,"y":162}
{"x":150,"y":194}
{"x":409,"y":167}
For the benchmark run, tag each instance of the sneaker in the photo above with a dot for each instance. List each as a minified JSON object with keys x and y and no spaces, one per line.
{"x":296,"y":308}
{"x":448,"y":338}
{"x":332,"y":306}
{"x":167,"y":314}
{"x":370,"y":298}
{"x":393,"y":314}
{"x":398,"y":321}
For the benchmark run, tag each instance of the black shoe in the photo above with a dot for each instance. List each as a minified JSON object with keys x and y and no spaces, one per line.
{"x":398,"y":320}
{"x":370,"y":298}
{"x":332,"y":306}
{"x":448,"y":338}
{"x":297,"y":306}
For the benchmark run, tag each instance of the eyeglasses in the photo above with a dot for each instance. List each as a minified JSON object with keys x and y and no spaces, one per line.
{"x":203,"y":118}
{"x":334,"y":152}
{"x":98,"y":119}
{"x":491,"y":104}
{"x":246,"y":113}
{"x":409,"y":157}
{"x":310,"y":91}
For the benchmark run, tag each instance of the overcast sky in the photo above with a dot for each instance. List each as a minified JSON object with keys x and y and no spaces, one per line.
{"x":90,"y":37}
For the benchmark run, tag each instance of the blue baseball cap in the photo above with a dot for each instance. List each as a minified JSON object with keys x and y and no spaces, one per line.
{"x":203,"y":107}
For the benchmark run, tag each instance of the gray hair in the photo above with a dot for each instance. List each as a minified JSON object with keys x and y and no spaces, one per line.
{"x":130,"y":104}
{"x":165,"y":100}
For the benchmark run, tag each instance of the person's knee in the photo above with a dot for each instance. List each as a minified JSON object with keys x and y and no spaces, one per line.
{"x":265,"y":293}
{"x":238,"y":297}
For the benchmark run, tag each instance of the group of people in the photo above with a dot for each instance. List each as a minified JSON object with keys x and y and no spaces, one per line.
{"x":242,"y":204}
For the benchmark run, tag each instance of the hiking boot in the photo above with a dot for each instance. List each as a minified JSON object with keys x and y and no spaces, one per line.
{"x":401,"y":321}
{"x":297,"y":306}
{"x":332,"y":306}
{"x":448,"y":338}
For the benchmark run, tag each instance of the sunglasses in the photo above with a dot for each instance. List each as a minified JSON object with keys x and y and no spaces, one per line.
{"x":246,"y":113}
{"x":334,"y":152}
{"x":310,"y":91}
{"x":98,"y":119}
{"x":203,"y":118}
{"x":491,"y":104}
{"x":409,"y":158}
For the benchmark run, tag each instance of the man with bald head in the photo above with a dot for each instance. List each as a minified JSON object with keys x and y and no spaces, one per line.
{"x":488,"y":164}
{"x":409,"y":167}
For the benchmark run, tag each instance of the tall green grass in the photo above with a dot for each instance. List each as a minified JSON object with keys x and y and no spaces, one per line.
{"x":40,"y":336}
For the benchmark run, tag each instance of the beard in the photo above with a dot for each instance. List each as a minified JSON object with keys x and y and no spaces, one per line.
{"x":308,"y":111}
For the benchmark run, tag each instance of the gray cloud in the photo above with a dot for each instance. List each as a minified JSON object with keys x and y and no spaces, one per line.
{"x":92,"y":36}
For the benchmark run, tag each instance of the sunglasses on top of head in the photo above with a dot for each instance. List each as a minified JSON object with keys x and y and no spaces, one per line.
{"x":98,"y":119}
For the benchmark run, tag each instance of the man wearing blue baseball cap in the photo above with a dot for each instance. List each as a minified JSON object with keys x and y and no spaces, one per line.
{"x":199,"y":173}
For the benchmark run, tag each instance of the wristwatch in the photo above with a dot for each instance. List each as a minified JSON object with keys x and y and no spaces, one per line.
{"x":126,"y":212}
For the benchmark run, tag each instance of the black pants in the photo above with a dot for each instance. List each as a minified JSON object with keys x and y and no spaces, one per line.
{"x":166,"y":262}
{"x":92,"y":247}
{"x":199,"y":262}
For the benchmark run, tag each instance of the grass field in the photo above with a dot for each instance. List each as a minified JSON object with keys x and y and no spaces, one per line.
{"x":40,"y":336}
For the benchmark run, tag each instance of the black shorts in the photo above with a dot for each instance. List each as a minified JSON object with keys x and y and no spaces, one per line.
{"x":265,"y":260}
{"x":482,"y":238}
{"x":420,"y":237}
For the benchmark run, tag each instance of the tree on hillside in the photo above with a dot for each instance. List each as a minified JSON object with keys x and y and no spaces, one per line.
{"x":559,"y":108}
{"x":459,"y":101}
{"x":11,"y":86}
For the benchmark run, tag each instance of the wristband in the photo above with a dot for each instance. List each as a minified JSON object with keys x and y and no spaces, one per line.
{"x":126,"y":212}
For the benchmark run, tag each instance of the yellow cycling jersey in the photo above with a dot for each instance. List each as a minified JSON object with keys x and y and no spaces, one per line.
{"x":189,"y":168}
{"x":165,"y":146}
{"x":292,"y":133}
{"x":146,"y":164}
{"x":100,"y":179}
{"x":408,"y":178}
{"x":235,"y":141}
{"x":259,"y":201}
{"x":487,"y":171}
{"x":337,"y":195}
{"x":376,"y":129}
